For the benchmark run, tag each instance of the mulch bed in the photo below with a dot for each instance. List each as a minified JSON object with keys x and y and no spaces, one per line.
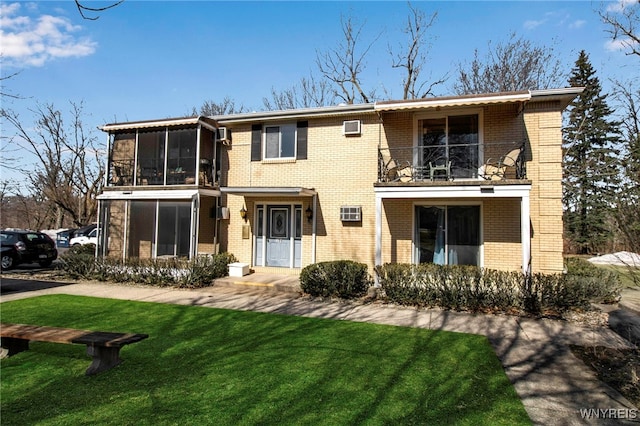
{"x":619,"y":368}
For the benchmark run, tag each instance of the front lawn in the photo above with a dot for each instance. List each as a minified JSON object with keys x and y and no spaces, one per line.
{"x":212,"y":366}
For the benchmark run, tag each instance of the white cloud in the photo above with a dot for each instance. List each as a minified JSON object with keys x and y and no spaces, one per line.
{"x":577,"y":24}
{"x":620,"y":5}
{"x":531,"y":24}
{"x":33,"y":42}
{"x":619,"y":44}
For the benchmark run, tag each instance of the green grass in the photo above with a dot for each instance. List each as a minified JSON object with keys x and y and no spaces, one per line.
{"x":211,"y":366}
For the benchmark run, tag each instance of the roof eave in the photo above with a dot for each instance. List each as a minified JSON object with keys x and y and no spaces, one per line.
{"x":291,"y":114}
{"x":207,"y":122}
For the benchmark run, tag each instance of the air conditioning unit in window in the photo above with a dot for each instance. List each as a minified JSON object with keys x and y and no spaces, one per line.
{"x":351,"y":127}
{"x":223,"y":135}
{"x":350,"y":213}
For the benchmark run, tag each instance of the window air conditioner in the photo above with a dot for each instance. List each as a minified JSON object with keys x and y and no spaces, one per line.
{"x":351,"y":127}
{"x":350,"y":213}
{"x":223,"y":135}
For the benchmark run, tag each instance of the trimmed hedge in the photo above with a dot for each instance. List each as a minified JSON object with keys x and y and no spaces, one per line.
{"x":340,"y":278}
{"x":476,"y":289}
{"x":80,"y":263}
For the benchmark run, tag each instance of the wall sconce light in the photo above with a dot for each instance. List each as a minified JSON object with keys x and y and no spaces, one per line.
{"x":309,"y":214}
{"x":243,"y":213}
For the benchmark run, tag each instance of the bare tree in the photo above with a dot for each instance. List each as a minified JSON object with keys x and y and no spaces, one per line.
{"x":83,"y":9}
{"x":68,"y":171}
{"x":343,"y":66}
{"x":624,"y":24}
{"x":515,"y":65}
{"x":224,"y":107}
{"x":413,"y":56}
{"x":627,"y":212}
{"x":307,"y":93}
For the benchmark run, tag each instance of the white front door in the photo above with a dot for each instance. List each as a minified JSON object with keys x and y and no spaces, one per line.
{"x":278,"y":236}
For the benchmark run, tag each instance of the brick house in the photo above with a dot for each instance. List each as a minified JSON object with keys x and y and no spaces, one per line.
{"x":454,"y":180}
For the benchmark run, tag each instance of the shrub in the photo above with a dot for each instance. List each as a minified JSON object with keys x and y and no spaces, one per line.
{"x":598,"y":284}
{"x":477,"y":289}
{"x":451,"y":287}
{"x":79,"y":261}
{"x":199,"y":272}
{"x":340,"y":278}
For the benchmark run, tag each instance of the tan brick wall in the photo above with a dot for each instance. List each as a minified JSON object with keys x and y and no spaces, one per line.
{"x":544,"y":133}
{"x":343,"y":169}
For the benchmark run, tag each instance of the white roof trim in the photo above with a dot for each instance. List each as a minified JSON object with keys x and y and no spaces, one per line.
{"x":453,"y":102}
{"x":160,"y":194}
{"x":204,"y":121}
{"x":253,"y":191}
{"x":292,"y":114}
{"x":469,"y":191}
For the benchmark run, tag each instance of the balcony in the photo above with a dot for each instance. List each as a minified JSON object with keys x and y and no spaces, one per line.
{"x":183,"y":156}
{"x":461,"y":163}
{"x":122,"y":174}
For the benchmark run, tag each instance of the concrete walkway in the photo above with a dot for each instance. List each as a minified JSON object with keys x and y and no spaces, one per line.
{"x":553,"y":384}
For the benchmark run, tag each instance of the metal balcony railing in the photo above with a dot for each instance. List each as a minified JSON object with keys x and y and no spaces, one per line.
{"x":488,"y":161}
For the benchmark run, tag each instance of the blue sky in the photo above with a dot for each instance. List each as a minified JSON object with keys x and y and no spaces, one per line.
{"x":157,"y":59}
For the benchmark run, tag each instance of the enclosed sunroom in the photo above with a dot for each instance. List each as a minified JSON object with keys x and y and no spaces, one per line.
{"x":160,"y":197}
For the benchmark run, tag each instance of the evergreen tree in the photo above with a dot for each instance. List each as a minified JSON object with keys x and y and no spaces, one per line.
{"x":591,"y":167}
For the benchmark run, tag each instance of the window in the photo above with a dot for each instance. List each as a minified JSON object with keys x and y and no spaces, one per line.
{"x":123,"y":153}
{"x":452,"y":138}
{"x":151,"y":158}
{"x":181,"y":162}
{"x":280,"y":141}
{"x":269,"y":142}
{"x":447,"y":235}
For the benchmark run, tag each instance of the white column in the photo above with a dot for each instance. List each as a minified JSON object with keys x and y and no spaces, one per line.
{"x":525,"y":229}
{"x":314,"y":229}
{"x":378,"y":253}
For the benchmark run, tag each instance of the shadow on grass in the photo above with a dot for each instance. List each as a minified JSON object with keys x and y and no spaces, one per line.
{"x":552,"y":383}
{"x":216,"y":366}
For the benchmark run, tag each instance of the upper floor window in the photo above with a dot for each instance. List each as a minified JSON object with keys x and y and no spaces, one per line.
{"x":281,"y":141}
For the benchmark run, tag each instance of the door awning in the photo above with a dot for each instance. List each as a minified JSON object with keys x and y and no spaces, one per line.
{"x":261,"y":191}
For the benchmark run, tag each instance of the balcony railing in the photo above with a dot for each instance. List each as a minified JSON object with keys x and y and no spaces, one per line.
{"x":489,"y":161}
{"x":122,"y":174}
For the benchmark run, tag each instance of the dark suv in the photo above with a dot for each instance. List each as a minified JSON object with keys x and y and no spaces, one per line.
{"x":27,"y":247}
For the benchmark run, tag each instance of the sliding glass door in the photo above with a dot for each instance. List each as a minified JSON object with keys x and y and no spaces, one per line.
{"x":447,"y":235}
{"x":452,"y":139}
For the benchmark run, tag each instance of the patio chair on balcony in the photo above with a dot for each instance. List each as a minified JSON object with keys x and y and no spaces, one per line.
{"x":392,"y":172}
{"x":496,"y":170}
{"x":436,"y":169}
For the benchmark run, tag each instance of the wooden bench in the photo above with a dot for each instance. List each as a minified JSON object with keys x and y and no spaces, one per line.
{"x":103,"y":347}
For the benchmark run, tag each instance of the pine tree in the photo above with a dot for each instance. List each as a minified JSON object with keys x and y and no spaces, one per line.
{"x":591,"y":168}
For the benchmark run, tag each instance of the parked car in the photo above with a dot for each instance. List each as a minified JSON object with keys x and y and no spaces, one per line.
{"x":26,"y":247}
{"x":81,"y":239}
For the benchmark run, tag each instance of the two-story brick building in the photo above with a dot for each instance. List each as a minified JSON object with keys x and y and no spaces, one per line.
{"x":457,"y":180}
